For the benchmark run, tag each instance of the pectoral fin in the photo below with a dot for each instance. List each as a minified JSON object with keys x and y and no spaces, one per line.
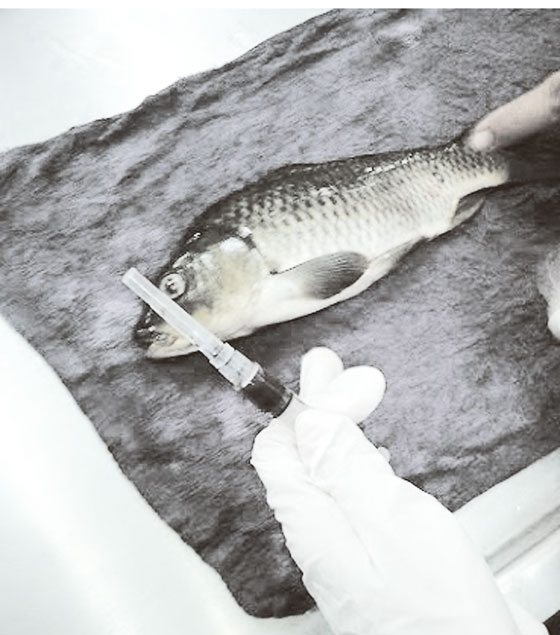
{"x":326,"y":276}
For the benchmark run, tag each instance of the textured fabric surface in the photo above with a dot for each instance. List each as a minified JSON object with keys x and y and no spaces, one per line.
{"x":458,"y":328}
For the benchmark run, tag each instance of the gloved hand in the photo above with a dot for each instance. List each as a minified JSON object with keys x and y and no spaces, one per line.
{"x":378,"y":555}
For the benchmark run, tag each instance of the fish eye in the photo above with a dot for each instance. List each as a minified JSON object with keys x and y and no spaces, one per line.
{"x":173,"y":284}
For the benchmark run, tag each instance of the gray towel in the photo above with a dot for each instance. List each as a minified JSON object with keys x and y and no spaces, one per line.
{"x":458,"y":328}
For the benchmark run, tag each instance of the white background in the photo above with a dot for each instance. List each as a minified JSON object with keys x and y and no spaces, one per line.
{"x":61,"y":68}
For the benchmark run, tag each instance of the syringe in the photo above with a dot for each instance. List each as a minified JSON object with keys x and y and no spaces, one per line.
{"x":246,"y":376}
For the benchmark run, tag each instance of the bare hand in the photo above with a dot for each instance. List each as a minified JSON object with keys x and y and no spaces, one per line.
{"x":530,"y":113}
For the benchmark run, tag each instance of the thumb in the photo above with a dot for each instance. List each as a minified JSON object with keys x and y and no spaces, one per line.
{"x":532,"y":112}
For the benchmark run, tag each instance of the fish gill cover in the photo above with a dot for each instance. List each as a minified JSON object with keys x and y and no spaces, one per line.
{"x":459,"y":328}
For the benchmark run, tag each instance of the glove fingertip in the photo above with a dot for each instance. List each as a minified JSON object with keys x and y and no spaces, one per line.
{"x":319,"y":366}
{"x":356,"y":393}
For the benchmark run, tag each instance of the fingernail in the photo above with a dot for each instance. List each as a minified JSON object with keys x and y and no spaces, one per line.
{"x":482,"y":140}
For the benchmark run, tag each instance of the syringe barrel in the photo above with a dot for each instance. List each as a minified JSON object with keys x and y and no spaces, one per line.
{"x":233,"y":365}
{"x":248,"y":377}
{"x":267,"y":393}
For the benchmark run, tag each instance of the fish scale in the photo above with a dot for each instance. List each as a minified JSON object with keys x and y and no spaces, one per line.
{"x":307,"y":236}
{"x":361,"y":217}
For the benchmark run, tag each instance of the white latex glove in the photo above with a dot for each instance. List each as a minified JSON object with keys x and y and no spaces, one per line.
{"x":378,"y":555}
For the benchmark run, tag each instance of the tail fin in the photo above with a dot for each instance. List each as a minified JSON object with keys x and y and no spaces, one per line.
{"x":537,"y":159}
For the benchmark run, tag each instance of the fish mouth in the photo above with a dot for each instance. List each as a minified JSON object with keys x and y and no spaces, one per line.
{"x":166,"y":350}
{"x":164,"y":342}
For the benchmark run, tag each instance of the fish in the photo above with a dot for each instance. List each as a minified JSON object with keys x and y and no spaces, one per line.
{"x":307,"y":236}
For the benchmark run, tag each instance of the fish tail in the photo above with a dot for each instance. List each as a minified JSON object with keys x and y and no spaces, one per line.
{"x":535,"y":160}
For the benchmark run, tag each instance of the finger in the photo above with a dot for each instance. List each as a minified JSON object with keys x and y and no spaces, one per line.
{"x":355,"y":393}
{"x":318,"y":368}
{"x":530,"y":113}
{"x":336,"y":569}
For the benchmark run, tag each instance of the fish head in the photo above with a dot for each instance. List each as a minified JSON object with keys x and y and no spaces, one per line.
{"x":160,"y":339}
{"x":215,"y":287}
